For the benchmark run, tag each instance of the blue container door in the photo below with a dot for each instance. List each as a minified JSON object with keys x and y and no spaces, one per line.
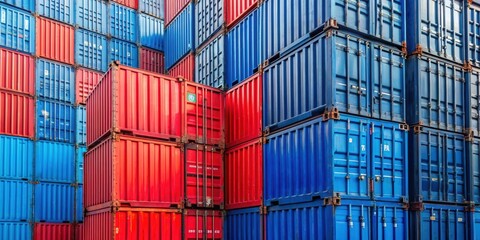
{"x":473,"y":112}
{"x":91,"y":50}
{"x":15,"y":230}
{"x":151,"y":32}
{"x":16,"y":200}
{"x":80,"y":151}
{"x":123,"y":22}
{"x":439,"y":222}
{"x":81,"y":125}
{"x":55,"y":81}
{"x":92,"y":15}
{"x":390,"y":221}
{"x":475,"y":225}
{"x":79,"y":203}
{"x":152,"y":7}
{"x":351,"y":220}
{"x":244,"y":224}
{"x":55,"y":121}
{"x":125,"y":52}
{"x":54,"y":162}
{"x":474,"y":161}
{"x":16,"y":155}
{"x":17,"y":29}
{"x":54,"y":202}
{"x":60,"y":10}
{"x":179,"y":36}
{"x":209,"y":18}
{"x":210,"y":67}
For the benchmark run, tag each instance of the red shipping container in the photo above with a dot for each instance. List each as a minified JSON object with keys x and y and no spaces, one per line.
{"x":185,"y":68}
{"x":244,"y":175}
{"x":17,"y":114}
{"x":134,"y":172}
{"x":79,"y":231}
{"x":85,"y":81}
{"x":129,"y":3}
{"x":151,"y":60}
{"x":236,"y":9}
{"x":53,"y":231}
{"x":173,"y":8}
{"x":134,"y":101}
{"x":55,"y":40}
{"x":199,"y":221}
{"x":243,"y":111}
{"x":133,"y":224}
{"x":17,"y":72}
{"x":204,"y":176}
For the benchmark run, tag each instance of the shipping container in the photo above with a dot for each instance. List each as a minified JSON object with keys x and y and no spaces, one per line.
{"x":123,"y":22}
{"x":54,"y":202}
{"x":17,"y":158}
{"x":53,"y":231}
{"x":152,"y":7}
{"x":204,"y":176}
{"x":134,"y":172}
{"x":185,"y":68}
{"x":473,"y":160}
{"x":86,"y":80}
{"x":152,"y":60}
{"x":81,"y":125}
{"x":242,"y":50}
{"x":173,"y":8}
{"x":473,"y":111}
{"x":91,"y":50}
{"x":243,"y":111}
{"x":151,"y":31}
{"x":55,"y":81}
{"x":438,"y":28}
{"x":140,"y":110}
{"x":474,"y":225}
{"x":60,"y":10}
{"x":92,"y":15}
{"x":244,"y":175}
{"x":209,"y":18}
{"x":129,"y":3}
{"x":28,"y":5}
{"x":439,"y":222}
{"x":125,"y":52}
{"x":347,"y":73}
{"x":55,"y":40}
{"x":54,"y":162}
{"x":18,"y":29}
{"x":360,"y":158}
{"x":79,"y":216}
{"x":18,"y":205}
{"x":17,"y":72}
{"x":17,"y":115}
{"x":131,"y":223}
{"x":179,"y":36}
{"x":235,"y":10}
{"x":15,"y":230}
{"x":438,"y":167}
{"x":209,"y":62}
{"x":197,"y":222}
{"x":244,"y":224}
{"x":281,"y":27}
{"x":79,"y":162}
{"x":55,"y":121}
{"x":472,"y":34}
{"x":79,"y":231}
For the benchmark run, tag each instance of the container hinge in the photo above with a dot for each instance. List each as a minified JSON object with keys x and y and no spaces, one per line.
{"x":417,"y":206}
{"x":418,"y":50}
{"x":467,"y":66}
{"x":417,"y":129}
{"x":331,"y":114}
{"x":263,"y":210}
{"x":469,"y":135}
{"x":336,"y":200}
{"x":404,"y":49}
{"x":404,"y":127}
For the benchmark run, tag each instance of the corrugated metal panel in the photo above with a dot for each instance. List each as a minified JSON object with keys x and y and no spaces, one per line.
{"x":243,"y":111}
{"x":152,"y":60}
{"x":113,"y":168}
{"x":438,"y":28}
{"x":54,"y":202}
{"x":92,"y":15}
{"x":473,"y":112}
{"x":55,"y":40}
{"x":236,"y":9}
{"x":28,"y":5}
{"x":151,"y":32}
{"x":184,"y":68}
{"x":53,"y":231}
{"x":17,"y":36}
{"x":54,"y":162}
{"x":244,"y":224}
{"x":55,"y":81}
{"x":17,"y":72}
{"x":437,"y":96}
{"x":129,"y":3}
{"x":86,"y":80}
{"x":244,"y":175}
{"x":197,"y":222}
{"x":210,"y":67}
{"x":60,"y":10}
{"x":242,"y":50}
{"x":79,"y":231}
{"x":55,"y":121}
{"x":15,"y":230}
{"x":79,"y":162}
{"x":152,"y":7}
{"x":16,"y":200}
{"x":79,"y":204}
{"x":123,"y":22}
{"x":209,"y":19}
{"x":173,"y":8}
{"x":125,"y":52}
{"x":474,"y":162}
{"x":17,"y":158}
{"x":81,"y":125}
{"x":179,"y":36}
{"x":475,"y":225}
{"x":16,"y":113}
{"x":91,"y":50}
{"x":391,"y":221}
{"x":439,"y":222}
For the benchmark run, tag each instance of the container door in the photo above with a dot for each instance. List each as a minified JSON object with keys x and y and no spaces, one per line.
{"x":389,"y":221}
{"x":352,"y":221}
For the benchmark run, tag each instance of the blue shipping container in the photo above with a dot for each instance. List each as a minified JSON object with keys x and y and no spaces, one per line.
{"x":437,"y":94}
{"x":55,"y":121}
{"x":321,"y":159}
{"x":151,"y":32}
{"x":473,"y":110}
{"x":286,"y":22}
{"x":472,"y":34}
{"x":244,"y":224}
{"x":92,"y":15}
{"x":16,"y":200}
{"x":81,"y":125}
{"x":242,"y":50}
{"x":54,"y":202}
{"x":17,"y":29}
{"x":28,"y":5}
{"x":209,"y":18}
{"x":335,"y":70}
{"x":474,"y":161}
{"x":80,"y":151}
{"x":152,"y":7}
{"x":475,"y":224}
{"x":60,"y":10}
{"x":209,"y":64}
{"x":16,"y":156}
{"x":55,"y":81}
{"x":54,"y":162}
{"x":15,"y":230}
{"x":125,"y":52}
{"x":79,"y":204}
{"x":123,"y":22}
{"x":91,"y":50}
{"x":179,"y":36}
{"x":438,"y":169}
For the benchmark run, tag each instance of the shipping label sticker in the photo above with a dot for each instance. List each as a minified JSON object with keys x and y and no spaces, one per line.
{"x":386,"y":148}
{"x":192,"y":97}
{"x":26,"y":24}
{"x":45,"y":72}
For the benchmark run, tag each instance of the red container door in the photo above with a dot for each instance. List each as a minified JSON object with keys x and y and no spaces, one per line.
{"x":17,"y":72}
{"x":55,"y":40}
{"x":86,"y":80}
{"x":236,"y":9}
{"x":17,"y":116}
{"x":53,"y":231}
{"x":199,"y":222}
{"x":151,"y":60}
{"x":185,"y":68}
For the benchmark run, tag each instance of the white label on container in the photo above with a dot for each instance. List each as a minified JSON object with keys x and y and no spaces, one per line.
{"x":26,"y":24}
{"x":45,"y":72}
{"x":364,"y":148}
{"x":350,"y":140}
{"x":460,"y":219}
{"x":386,"y":148}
